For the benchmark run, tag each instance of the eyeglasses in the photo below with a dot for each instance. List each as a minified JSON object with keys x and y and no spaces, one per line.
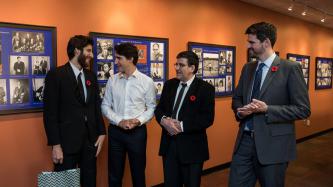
{"x":179,"y":65}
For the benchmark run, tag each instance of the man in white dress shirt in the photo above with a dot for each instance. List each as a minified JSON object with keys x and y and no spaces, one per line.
{"x":128,"y":104}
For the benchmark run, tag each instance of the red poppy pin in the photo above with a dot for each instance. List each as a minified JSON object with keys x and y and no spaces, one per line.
{"x":88,"y":82}
{"x":192,"y":98}
{"x":275,"y":68}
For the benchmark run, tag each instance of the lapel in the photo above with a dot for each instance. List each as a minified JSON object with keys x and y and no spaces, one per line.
{"x":88,"y":84}
{"x":270,"y":75}
{"x":250,"y":76}
{"x":191,"y":91}
{"x":173,"y":93}
{"x":72,"y":80}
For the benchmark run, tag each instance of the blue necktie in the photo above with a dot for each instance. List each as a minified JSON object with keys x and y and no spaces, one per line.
{"x":255,"y":91}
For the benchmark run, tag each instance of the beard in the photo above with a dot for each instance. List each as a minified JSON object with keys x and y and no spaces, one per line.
{"x":84,"y":61}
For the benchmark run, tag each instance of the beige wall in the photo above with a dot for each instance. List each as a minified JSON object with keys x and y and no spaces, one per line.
{"x":22,"y":141}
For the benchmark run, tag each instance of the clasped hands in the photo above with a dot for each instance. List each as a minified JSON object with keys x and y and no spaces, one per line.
{"x":256,"y":106}
{"x":128,"y":124}
{"x":171,"y":125}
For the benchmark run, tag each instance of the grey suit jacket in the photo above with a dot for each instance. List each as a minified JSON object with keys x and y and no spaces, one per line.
{"x":285,"y":92}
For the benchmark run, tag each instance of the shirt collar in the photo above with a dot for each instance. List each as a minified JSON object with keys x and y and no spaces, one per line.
{"x":134,"y":74}
{"x":75,"y":69}
{"x":189,"y":82}
{"x":268,"y":62}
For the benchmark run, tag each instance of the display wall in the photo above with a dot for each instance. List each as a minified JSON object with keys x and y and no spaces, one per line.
{"x":22,"y":138}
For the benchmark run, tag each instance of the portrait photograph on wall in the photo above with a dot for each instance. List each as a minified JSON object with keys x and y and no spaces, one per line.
{"x":216,"y":66}
{"x":304,"y":61}
{"x":323,"y":73}
{"x":27,"y":53}
{"x":152,"y":57}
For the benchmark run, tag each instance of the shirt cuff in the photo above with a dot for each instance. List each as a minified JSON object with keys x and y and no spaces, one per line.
{"x":181,"y":126}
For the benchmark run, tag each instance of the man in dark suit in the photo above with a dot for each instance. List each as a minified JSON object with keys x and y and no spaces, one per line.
{"x":271,"y":94}
{"x":185,"y":111}
{"x":72,"y":115}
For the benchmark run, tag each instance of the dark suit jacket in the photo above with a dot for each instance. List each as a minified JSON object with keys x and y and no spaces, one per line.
{"x":285,"y":92}
{"x":197,"y":114}
{"x":65,"y":114}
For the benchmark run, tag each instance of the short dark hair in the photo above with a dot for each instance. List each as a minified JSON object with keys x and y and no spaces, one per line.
{"x":128,"y":50}
{"x":192,"y":59}
{"x":77,"y":42}
{"x":263,"y":30}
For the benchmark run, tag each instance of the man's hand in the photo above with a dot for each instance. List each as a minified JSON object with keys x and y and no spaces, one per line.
{"x":258,"y":106}
{"x":57,"y":154}
{"x":124,"y":124}
{"x":171,"y":125}
{"x":244,"y":111}
{"x":99,"y":144}
{"x":133,"y":123}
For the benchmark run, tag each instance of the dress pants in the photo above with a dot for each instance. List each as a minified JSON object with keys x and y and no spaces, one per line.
{"x":85,"y":159}
{"x":134,"y":143}
{"x":176,"y":173}
{"x":245,"y":168}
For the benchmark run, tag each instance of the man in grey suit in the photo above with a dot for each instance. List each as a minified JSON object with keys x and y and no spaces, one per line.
{"x":271,"y":94}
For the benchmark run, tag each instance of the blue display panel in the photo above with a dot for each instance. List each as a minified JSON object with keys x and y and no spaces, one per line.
{"x":216,"y":66}
{"x":304,"y":61}
{"x":27,"y":53}
{"x":153,"y":57}
{"x":323,"y":73}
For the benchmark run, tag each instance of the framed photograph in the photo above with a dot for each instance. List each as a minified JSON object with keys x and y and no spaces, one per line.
{"x":152,"y":61}
{"x":27,"y":53}
{"x":323,"y":73}
{"x":216,"y":66}
{"x":253,"y":59}
{"x":304,"y":61}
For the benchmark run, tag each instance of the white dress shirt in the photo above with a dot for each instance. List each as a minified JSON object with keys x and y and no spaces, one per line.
{"x":83,"y":79}
{"x":129,"y":98}
{"x":188,"y":84}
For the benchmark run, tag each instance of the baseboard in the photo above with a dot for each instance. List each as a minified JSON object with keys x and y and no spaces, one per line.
{"x":227,"y":165}
{"x":313,"y":135}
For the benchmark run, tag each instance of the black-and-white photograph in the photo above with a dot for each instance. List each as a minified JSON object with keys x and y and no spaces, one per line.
{"x":3,"y":92}
{"x":156,"y":51}
{"x":210,"y":81}
{"x":229,"y":69}
{"x":220,"y":85}
{"x":156,"y":70}
{"x":222,"y":70}
{"x":104,"y":49}
{"x":105,"y":70}
{"x":229,"y":83}
{"x":38,"y":90}
{"x":159,"y":87}
{"x":19,"y":65}
{"x":40,"y":65}
{"x":229,"y":59}
{"x":199,"y":72}
{"x":28,"y":42}
{"x":198,"y":52}
{"x":223,"y":57}
{"x":102,"y":88}
{"x":19,"y":91}
{"x":210,"y":64}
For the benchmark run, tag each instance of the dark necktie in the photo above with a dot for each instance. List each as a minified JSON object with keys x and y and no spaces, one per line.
{"x":80,"y":87}
{"x":255,"y":91}
{"x":179,"y":98}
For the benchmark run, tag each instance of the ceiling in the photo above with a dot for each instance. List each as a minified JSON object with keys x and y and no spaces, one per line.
{"x":316,"y":9}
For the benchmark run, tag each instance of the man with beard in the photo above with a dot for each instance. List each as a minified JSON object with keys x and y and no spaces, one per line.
{"x":271,"y":94}
{"x":72,"y":117}
{"x":129,"y":103}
